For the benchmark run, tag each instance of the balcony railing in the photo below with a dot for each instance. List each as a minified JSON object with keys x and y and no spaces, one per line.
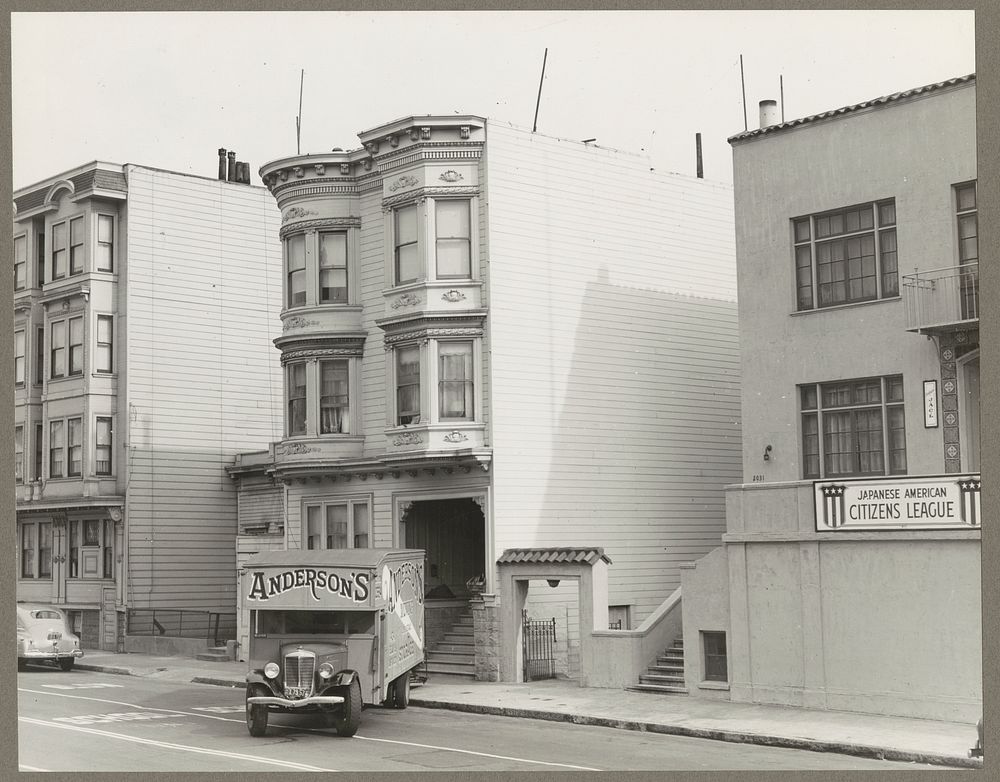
{"x":942,"y":299}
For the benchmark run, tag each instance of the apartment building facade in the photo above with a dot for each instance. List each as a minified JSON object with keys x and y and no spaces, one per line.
{"x":850,"y":572}
{"x":143,"y":362}
{"x":495,"y":339}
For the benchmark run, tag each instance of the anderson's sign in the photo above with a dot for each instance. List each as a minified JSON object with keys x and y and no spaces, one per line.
{"x":354,"y":586}
{"x":938,"y":502}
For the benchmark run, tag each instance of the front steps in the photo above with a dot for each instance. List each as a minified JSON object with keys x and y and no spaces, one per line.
{"x":455,"y":655}
{"x":215,"y":654}
{"x":666,"y":675}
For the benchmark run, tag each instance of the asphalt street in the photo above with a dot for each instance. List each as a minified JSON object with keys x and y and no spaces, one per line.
{"x":89,"y":721}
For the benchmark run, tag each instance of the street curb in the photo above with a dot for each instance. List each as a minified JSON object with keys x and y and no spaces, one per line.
{"x":219,"y":682}
{"x":103,"y":669}
{"x":739,"y":737}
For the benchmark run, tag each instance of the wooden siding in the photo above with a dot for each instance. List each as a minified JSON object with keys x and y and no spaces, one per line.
{"x":203,"y":267}
{"x":614,"y":380}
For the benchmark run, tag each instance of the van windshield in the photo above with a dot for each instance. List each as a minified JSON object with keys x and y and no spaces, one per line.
{"x":314,"y":622}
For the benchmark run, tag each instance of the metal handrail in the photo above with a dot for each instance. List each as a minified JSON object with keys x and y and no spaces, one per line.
{"x":941,"y":298}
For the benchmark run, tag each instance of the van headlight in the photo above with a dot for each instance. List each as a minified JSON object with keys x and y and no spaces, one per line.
{"x":271,"y":670}
{"x":326,"y":670}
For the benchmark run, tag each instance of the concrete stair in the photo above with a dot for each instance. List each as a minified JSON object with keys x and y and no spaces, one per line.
{"x":214,"y":654}
{"x":455,"y":654}
{"x":666,"y":675}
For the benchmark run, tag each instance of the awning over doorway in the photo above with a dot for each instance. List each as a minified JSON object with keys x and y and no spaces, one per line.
{"x":553,"y":555}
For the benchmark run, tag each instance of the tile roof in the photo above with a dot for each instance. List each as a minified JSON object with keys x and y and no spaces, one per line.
{"x":856,"y":107}
{"x":586,"y":555}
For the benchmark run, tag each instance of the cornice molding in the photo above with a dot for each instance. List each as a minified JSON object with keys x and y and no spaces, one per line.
{"x":319,"y":224}
{"x":432,"y":191}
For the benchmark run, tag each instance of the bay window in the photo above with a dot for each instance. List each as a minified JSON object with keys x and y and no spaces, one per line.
{"x":105,"y":343}
{"x":406,"y":254}
{"x":57,"y":349}
{"x":408,"y":385}
{"x":453,"y":239}
{"x":296,"y":399}
{"x":20,"y":262}
{"x":76,"y":346}
{"x":853,"y":428}
{"x":18,"y":454}
{"x":446,"y":226}
{"x":337,"y":525}
{"x":334,"y":397}
{"x":105,"y":243}
{"x":58,"y":251}
{"x":455,"y":380}
{"x":57,"y":446}
{"x":65,"y":448}
{"x":76,"y":246}
{"x":102,"y":446}
{"x":295,"y":259}
{"x":19,"y":349}
{"x":74,"y":445}
{"x":333,"y":267}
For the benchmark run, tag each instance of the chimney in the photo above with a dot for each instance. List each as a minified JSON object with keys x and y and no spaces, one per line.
{"x":245,"y":173}
{"x":768,"y":113}
{"x":232,"y":167}
{"x":699,"y":171}
{"x":222,"y":164}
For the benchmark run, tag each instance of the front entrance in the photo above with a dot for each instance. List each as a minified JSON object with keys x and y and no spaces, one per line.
{"x":969,"y":385}
{"x":452,"y":532}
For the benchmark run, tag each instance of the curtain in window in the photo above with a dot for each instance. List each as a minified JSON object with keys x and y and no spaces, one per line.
{"x":455,"y":382}
{"x":871,"y":458}
{"x":837,"y":443}
{"x":74,"y":549}
{"x":408,"y":384}
{"x":333,"y":400}
{"x":18,"y":454}
{"x":336,"y":526}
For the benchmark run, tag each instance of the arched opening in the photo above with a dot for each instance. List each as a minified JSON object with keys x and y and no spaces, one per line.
{"x":453,"y":533}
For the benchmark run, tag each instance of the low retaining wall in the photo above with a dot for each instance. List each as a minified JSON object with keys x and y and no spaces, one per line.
{"x":164,"y":646}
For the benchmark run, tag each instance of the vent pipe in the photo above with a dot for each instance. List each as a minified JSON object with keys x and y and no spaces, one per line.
{"x":699,"y":171}
{"x":768,"y":113}
{"x":222,"y":164}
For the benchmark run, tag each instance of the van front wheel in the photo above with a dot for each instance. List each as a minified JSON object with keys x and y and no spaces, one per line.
{"x":256,"y":715}
{"x":348,"y":720}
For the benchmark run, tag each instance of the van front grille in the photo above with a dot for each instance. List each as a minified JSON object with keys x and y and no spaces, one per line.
{"x":300,"y":666}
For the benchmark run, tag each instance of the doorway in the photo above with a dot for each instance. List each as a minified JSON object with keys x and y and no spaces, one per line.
{"x":453,"y":533}
{"x":969,"y":405}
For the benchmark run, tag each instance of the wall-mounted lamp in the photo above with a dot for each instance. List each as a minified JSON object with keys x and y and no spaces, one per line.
{"x":767,"y":453}
{"x":553,"y":582}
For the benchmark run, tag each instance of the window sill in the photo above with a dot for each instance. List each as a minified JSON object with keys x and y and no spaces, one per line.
{"x":849,"y":305}
{"x":706,"y":685}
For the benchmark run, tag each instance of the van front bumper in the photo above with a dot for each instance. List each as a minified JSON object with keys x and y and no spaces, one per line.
{"x":313,"y":700}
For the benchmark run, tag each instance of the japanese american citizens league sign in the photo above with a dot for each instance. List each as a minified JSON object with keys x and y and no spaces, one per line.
{"x":924,"y":502}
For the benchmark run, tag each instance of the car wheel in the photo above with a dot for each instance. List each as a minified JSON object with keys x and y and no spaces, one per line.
{"x":66,"y":663}
{"x":256,"y":715}
{"x":348,"y":720}
{"x":401,"y":691}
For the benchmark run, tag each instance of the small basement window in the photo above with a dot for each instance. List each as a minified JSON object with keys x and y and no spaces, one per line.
{"x":716,"y":668}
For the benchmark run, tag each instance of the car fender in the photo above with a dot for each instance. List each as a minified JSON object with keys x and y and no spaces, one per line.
{"x":257,"y":677}
{"x":343,"y":678}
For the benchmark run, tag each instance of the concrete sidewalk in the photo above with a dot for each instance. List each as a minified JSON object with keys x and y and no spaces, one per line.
{"x":849,"y":733}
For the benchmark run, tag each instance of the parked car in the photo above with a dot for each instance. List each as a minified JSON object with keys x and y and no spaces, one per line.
{"x":43,"y":635}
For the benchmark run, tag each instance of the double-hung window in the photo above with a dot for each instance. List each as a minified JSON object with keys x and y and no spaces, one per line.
{"x":968,"y":249}
{"x":295,"y":258}
{"x":406,"y":253}
{"x":39,"y":356}
{"x":74,"y":446}
{"x":19,"y":349}
{"x":57,"y":449}
{"x":846,"y":256}
{"x":105,"y":343}
{"x":39,"y":453}
{"x":337,"y":525}
{"x":105,"y":243}
{"x":76,"y":346}
{"x":455,"y":380}
{"x":59,"y":251}
{"x":18,"y":454}
{"x":334,"y":397}
{"x":57,"y":349}
{"x":453,"y":239}
{"x":20,"y":262}
{"x":36,"y":549}
{"x":102,"y":446}
{"x":296,"y":398}
{"x":408,"y":385}
{"x":333,"y":267}
{"x":76,"y":246}
{"x":853,"y":428}
{"x":66,"y":448}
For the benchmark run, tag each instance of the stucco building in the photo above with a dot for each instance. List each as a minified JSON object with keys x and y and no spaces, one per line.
{"x":850,"y":572}
{"x":143,"y":363}
{"x":494,"y":339}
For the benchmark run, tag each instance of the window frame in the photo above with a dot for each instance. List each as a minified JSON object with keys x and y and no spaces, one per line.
{"x":58,"y":361}
{"x":345,"y":417}
{"x":815,"y":413}
{"x":38,"y":561}
{"x":438,"y":239}
{"x":428,"y":241}
{"x":397,"y":245}
{"x":103,"y":542}
{"x":60,"y":250}
{"x":102,"y":348}
{"x":20,"y":262}
{"x":20,"y":357}
{"x":74,"y":346}
{"x":711,"y":651}
{"x":344,"y":234}
{"x":321,"y":505}
{"x":110,"y":243}
{"x":39,"y":451}
{"x":414,"y":415}
{"x":60,"y":445}
{"x":98,"y":445}
{"x":806,"y":242}
{"x":300,"y":273}
{"x":77,"y":245}
{"x":19,"y":454}
{"x":39,"y":355}
{"x":294,"y":398}
{"x":468,"y":384}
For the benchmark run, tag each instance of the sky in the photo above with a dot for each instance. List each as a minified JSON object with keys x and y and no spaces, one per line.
{"x":168,"y":89}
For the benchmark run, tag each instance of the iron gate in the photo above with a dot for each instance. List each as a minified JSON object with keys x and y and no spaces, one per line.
{"x":538,"y":640}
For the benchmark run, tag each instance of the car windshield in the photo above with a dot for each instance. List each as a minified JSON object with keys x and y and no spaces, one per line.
{"x":314,"y":622}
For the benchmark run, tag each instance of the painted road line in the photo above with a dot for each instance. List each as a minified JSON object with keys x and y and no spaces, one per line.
{"x":480,"y":754}
{"x":180,"y":747}
{"x":219,"y":709}
{"x":116,"y":716}
{"x":130,"y":705}
{"x":83,"y":686}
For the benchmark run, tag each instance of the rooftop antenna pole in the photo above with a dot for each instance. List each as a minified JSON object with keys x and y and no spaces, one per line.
{"x":534,"y":125}
{"x":781,"y":85}
{"x":298,"y":117}
{"x":744,"y":89}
